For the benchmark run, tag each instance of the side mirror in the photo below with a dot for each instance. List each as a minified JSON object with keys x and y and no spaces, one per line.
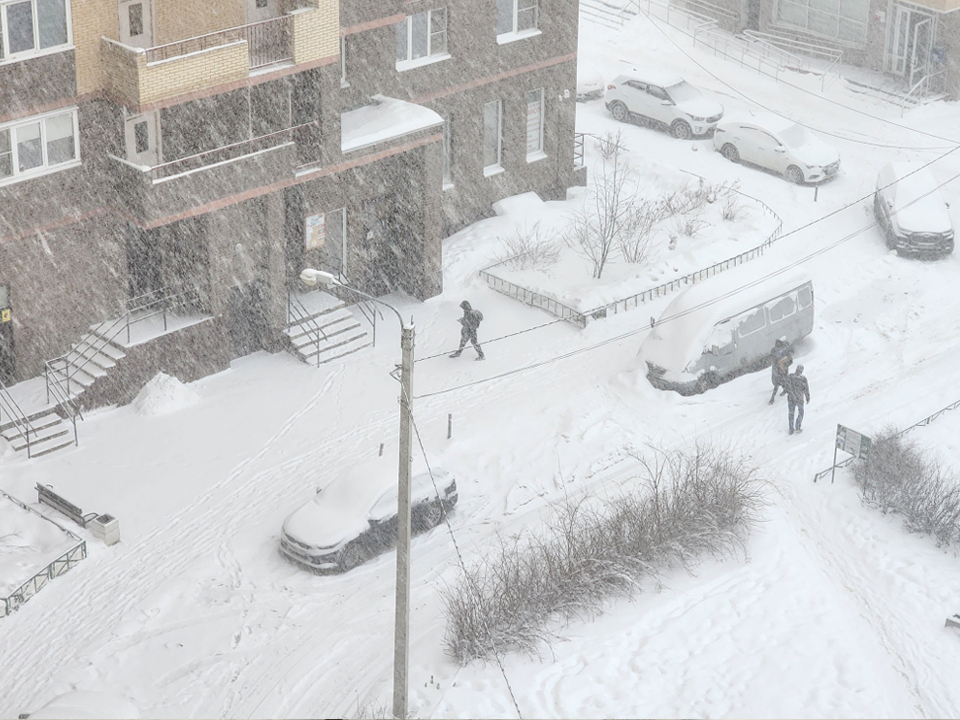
{"x":779,"y":149}
{"x":667,"y":102}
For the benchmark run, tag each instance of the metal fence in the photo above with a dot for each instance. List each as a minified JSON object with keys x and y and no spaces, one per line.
{"x":268,"y":42}
{"x":58,"y":567}
{"x":926,"y":421}
{"x":529,"y":297}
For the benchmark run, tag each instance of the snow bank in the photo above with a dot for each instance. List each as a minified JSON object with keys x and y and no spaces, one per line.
{"x":27,"y":544}
{"x":163,"y":395}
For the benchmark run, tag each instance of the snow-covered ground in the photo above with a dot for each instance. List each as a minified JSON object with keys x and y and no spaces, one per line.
{"x":836,"y":611}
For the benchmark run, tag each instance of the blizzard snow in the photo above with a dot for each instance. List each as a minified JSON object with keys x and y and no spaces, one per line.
{"x":836,"y":611}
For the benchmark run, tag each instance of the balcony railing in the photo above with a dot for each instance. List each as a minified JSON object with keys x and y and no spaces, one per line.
{"x":268,"y":42}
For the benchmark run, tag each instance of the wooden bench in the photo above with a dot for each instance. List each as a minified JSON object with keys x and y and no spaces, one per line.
{"x":47,"y":496}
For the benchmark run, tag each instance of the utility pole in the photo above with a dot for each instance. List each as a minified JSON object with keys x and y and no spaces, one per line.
{"x":401,"y":644}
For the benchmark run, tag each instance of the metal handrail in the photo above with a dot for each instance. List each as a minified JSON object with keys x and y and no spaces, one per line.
{"x":921,"y":88}
{"x":240,"y":33}
{"x":18,"y":417}
{"x":301,"y":315}
{"x":578,"y":150}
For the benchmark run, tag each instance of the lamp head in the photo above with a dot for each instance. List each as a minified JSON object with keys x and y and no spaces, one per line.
{"x":311,"y":278}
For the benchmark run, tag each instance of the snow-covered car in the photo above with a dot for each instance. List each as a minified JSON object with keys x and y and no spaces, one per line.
{"x":778,"y":144}
{"x":664,"y":98}
{"x":911,"y":210}
{"x":589,"y":84}
{"x":725,"y":326}
{"x":84,"y":704}
{"x":354,"y":517}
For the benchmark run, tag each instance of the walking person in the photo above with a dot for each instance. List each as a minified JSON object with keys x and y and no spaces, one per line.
{"x":798,"y":390}
{"x":780,"y":361}
{"x":470,"y":322}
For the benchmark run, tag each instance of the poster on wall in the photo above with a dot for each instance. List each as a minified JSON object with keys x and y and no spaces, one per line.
{"x":316,"y":232}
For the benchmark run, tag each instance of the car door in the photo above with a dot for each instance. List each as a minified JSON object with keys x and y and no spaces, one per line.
{"x":661,"y":107}
{"x":636,"y":98}
{"x":749,"y":143}
{"x":776,"y":152}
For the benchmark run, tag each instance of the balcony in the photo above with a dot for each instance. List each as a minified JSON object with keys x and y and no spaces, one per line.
{"x":139,"y":77}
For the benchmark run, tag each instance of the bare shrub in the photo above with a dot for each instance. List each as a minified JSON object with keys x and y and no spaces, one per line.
{"x":695,"y":503}
{"x":897,"y":477}
{"x":635,"y":246}
{"x":529,"y":249}
{"x":688,"y":225}
{"x":732,"y":208}
{"x":613,"y":216}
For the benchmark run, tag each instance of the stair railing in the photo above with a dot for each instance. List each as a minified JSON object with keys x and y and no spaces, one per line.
{"x":298,"y":313}
{"x":370,"y":313}
{"x":18,"y":419}
{"x":65,"y":402}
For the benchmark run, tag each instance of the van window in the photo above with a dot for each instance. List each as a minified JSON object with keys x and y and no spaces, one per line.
{"x":751,"y":321}
{"x":805,"y":295}
{"x":784,"y":307}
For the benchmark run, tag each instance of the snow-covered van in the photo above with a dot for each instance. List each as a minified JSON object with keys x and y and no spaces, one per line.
{"x":725,"y":326}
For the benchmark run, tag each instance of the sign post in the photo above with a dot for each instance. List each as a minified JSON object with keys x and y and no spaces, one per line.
{"x":852,"y":442}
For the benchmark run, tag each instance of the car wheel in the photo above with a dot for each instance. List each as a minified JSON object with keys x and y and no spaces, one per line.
{"x":427,"y":516}
{"x":891,"y":239}
{"x":730,"y":152}
{"x":619,"y":112}
{"x":352,"y":556}
{"x":681,"y":130}
{"x":794,"y":174}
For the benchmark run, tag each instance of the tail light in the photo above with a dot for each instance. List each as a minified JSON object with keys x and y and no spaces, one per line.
{"x":611,"y":87}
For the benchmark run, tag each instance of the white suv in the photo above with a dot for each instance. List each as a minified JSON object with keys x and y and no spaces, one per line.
{"x":663,"y":98}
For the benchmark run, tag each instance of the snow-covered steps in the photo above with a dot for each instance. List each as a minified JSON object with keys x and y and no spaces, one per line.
{"x":46,"y":430}
{"x":318,"y":336}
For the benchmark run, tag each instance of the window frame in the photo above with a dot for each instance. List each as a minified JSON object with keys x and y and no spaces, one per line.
{"x":783,"y":9}
{"x":538,"y":153}
{"x":446,"y":173}
{"x":36,"y":51}
{"x":44,"y":168}
{"x":433,"y":54}
{"x":495,"y":167}
{"x":515,"y":32}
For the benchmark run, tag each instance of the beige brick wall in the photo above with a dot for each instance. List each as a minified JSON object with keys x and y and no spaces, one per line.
{"x":316,"y":33}
{"x":193,"y":72}
{"x":181,"y":19}
{"x":120,"y":71}
{"x":91,"y":20}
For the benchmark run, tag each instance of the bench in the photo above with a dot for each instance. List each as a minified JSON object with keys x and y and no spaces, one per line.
{"x":953,"y":621}
{"x":47,"y":496}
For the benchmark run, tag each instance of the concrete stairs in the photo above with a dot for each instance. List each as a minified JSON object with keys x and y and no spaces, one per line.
{"x":319,"y":332}
{"x":611,"y":14}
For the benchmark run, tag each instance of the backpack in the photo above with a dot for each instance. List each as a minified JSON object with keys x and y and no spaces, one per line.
{"x":478,"y":317}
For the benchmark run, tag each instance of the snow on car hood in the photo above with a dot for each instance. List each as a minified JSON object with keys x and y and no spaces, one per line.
{"x":815,"y":152}
{"x":919,"y":206}
{"x":701,"y":107}
{"x":344,"y":508}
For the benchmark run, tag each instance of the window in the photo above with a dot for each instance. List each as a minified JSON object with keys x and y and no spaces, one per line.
{"x":491,"y":137}
{"x":135,"y":16}
{"x":28,"y":27}
{"x":141,"y":137}
{"x":30,"y":146}
{"x":805,"y":296}
{"x":784,"y":307}
{"x":447,"y":152}
{"x":844,"y":20}
{"x":517,"y":16}
{"x":343,"y":63}
{"x":422,"y":36}
{"x":658,"y":93}
{"x":535,"y":124}
{"x":751,"y":321}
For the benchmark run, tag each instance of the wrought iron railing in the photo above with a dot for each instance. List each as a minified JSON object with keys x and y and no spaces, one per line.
{"x":16,"y":417}
{"x":58,"y":567}
{"x":268,"y":42}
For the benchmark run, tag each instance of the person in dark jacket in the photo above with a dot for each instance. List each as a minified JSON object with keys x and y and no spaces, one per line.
{"x":780,"y":361}
{"x":798,"y":389}
{"x":468,"y":331}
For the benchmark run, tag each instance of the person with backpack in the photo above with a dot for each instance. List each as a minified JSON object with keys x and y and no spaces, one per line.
{"x":470,"y":322}
{"x":798,"y":389}
{"x":780,"y":361}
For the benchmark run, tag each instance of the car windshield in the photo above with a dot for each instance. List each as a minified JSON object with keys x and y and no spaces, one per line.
{"x":794,"y":136}
{"x":682,"y":91}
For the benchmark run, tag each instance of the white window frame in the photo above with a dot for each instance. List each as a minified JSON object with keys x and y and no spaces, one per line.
{"x":44,"y":168}
{"x":447,"y":167}
{"x":344,"y":83}
{"x":436,"y":51}
{"x":495,"y":167}
{"x":537,"y":152}
{"x":515,"y":33}
{"x":805,"y":7}
{"x":36,"y":51}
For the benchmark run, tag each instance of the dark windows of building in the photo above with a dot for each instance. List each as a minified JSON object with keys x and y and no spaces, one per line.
{"x":262,"y":4}
{"x":135,"y":12}
{"x":492,"y":143}
{"x":422,"y":35}
{"x":31,"y":145}
{"x":447,"y":152}
{"x":141,"y":136}
{"x":517,"y":16}
{"x":846,"y":20}
{"x":535,"y":124}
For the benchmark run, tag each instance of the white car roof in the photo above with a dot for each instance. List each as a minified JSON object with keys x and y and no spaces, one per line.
{"x":763,"y":120}
{"x":689,"y":320}
{"x":653,"y":76}
{"x":917,"y":198}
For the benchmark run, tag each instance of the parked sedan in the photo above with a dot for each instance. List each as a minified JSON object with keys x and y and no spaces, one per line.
{"x":354,"y":517}
{"x":911,"y":211}
{"x":665,"y":99}
{"x":778,"y":144}
{"x":589,"y":84}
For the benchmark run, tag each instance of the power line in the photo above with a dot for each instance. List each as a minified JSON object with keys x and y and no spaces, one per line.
{"x":497,"y":339}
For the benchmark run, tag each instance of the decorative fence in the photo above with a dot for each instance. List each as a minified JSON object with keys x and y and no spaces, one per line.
{"x":926,"y":421}
{"x":55,"y":569}
{"x":580,"y":317}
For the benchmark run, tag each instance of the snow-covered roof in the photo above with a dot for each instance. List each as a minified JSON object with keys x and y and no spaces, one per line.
{"x":683,"y":329}
{"x":765,"y":120}
{"x":385,"y":119}
{"x":917,"y":200}
{"x":654,"y":76}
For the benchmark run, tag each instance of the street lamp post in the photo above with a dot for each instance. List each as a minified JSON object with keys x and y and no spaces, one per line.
{"x":401,"y":645}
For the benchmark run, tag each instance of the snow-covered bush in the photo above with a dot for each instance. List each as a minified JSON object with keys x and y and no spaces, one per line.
{"x":898,"y":477}
{"x":528,"y":249}
{"x":692,"y":503}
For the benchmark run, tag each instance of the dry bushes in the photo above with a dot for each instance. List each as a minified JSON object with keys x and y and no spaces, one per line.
{"x":695,"y":503}
{"x":896,"y":477}
{"x":528,"y":249}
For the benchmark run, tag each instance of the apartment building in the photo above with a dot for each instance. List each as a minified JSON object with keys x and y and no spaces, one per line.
{"x":916,"y":41}
{"x":210,"y":151}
